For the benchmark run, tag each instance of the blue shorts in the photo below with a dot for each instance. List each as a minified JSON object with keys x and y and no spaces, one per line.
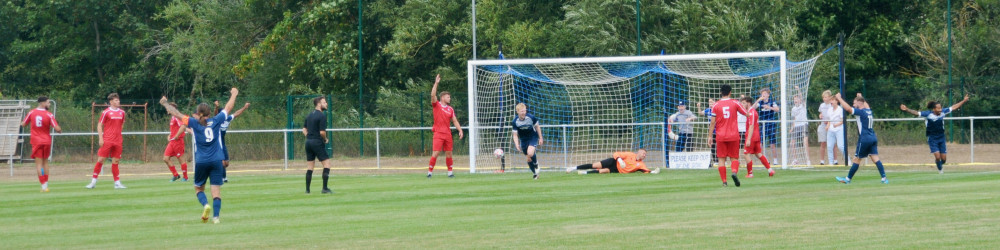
{"x":866,"y":148}
{"x":529,"y":142}
{"x":771,"y":130}
{"x":204,"y":170}
{"x":937,"y":144}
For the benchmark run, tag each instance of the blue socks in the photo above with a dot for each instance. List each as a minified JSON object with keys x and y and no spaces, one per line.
{"x":216,"y":206}
{"x":881,"y":170}
{"x":854,"y":169}
{"x":202,"y":198}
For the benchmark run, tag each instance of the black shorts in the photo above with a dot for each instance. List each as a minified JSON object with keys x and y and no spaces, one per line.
{"x":316,"y":149}
{"x":610,"y":164}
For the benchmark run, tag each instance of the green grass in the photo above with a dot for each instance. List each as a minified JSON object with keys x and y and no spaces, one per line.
{"x":676,"y":209}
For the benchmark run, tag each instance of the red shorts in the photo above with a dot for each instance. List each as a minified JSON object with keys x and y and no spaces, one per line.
{"x":41,"y":151}
{"x":110,"y":150}
{"x":729,"y":149}
{"x":442,"y":143}
{"x":753,"y":148}
{"x":174,"y":149}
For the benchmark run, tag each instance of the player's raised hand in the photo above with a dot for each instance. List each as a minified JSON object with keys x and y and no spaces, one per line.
{"x":234,"y":91}
{"x":163,"y":99}
{"x":437,"y":79}
{"x":859,"y":94}
{"x":902,"y":107}
{"x":837,"y":96}
{"x":966,"y":98}
{"x":246,"y":105}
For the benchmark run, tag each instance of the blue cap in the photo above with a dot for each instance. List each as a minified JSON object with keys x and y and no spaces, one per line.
{"x":681,"y":103}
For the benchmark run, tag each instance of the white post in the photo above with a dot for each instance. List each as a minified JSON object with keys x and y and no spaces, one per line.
{"x":473,"y":123}
{"x":473,"y":29}
{"x":972,"y":139}
{"x":378,"y":153}
{"x":565,"y":147}
{"x":284,"y":135}
{"x":784,"y":110}
{"x":53,"y":140}
{"x":663,"y":136}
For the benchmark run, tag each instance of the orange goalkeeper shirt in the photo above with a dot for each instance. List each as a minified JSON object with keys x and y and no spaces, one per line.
{"x":631,"y":164}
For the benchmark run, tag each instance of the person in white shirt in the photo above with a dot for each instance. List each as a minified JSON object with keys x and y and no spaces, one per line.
{"x":824,"y":114}
{"x":834,"y":130}
{"x":800,"y":130}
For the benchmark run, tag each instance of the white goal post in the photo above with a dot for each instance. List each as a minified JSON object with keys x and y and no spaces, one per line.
{"x":592,"y":107}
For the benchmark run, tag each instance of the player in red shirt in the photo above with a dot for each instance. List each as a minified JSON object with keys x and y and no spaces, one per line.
{"x":753,"y":134}
{"x":41,"y":122}
{"x":175,"y":147}
{"x":443,"y":115}
{"x":727,"y":134}
{"x":109,"y":130}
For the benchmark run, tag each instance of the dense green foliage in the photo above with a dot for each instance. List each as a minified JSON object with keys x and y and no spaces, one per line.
{"x":675,"y":209}
{"x":78,"y":51}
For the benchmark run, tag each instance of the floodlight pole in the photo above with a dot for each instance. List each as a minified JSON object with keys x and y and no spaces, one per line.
{"x":638,"y":31}
{"x":473,"y":29}
{"x":843,"y":77}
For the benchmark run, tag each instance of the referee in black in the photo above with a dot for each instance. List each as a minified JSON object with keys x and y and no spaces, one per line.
{"x":315,"y":132}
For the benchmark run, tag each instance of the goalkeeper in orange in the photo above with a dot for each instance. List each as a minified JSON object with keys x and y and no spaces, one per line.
{"x":620,"y":162}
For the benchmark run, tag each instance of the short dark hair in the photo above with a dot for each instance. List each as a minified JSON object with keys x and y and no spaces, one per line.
{"x":317,"y":100}
{"x":726,"y":89}
{"x":443,"y":93}
{"x":112,"y":96}
{"x":860,"y":99}
{"x":42,"y":99}
{"x":932,"y":105}
{"x":747,"y":99}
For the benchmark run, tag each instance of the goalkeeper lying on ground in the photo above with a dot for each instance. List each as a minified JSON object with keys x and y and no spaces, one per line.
{"x":620,"y":162}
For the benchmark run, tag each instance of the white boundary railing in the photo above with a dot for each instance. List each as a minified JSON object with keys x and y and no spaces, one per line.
{"x":285,"y":133}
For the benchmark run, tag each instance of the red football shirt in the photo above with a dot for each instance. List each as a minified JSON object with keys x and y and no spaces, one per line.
{"x":113,"y":119}
{"x":726,"y":124}
{"x":442,"y":118}
{"x":175,"y":124}
{"x":752,"y":120}
{"x":41,"y":122}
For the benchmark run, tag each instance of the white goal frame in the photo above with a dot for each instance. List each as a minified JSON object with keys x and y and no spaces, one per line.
{"x":474,"y":127}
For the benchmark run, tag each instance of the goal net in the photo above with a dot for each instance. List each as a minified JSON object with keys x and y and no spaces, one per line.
{"x":590,"y":108}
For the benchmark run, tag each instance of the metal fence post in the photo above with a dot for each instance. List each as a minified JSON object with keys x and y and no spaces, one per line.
{"x":378,"y":152}
{"x":285,"y":146}
{"x":972,"y":139}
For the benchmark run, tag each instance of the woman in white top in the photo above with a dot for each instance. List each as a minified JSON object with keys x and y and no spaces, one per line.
{"x":834,"y":130}
{"x":824,"y":110}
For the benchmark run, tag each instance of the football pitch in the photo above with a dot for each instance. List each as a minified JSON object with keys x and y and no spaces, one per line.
{"x":675,"y":209}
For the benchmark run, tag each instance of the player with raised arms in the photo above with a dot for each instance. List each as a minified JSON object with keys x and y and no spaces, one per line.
{"x":208,"y":152}
{"x":175,"y":147}
{"x":727,"y":140}
{"x":443,"y":115}
{"x":527,"y":136}
{"x":753,"y":148}
{"x":314,"y":129}
{"x":934,"y":121}
{"x":620,"y":162}
{"x":225,"y":126}
{"x":867,"y":141}
{"x":109,"y":133}
{"x":41,"y":122}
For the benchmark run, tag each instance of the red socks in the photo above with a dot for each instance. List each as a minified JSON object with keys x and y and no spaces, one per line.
{"x":722,"y":173}
{"x":735,"y":165}
{"x":173,"y":170}
{"x":764,"y":161}
{"x":184,"y":168}
{"x":750,"y":167}
{"x":97,"y":169}
{"x":433,"y":162}
{"x":449,"y":162}
{"x":41,"y":179}
{"x":114,"y":170}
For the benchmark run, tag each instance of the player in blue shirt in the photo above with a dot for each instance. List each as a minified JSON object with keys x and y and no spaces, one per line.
{"x":935,"y":128}
{"x":225,"y":126}
{"x":867,"y":142}
{"x":208,"y":154}
{"x":768,"y":110}
{"x":527,"y":136}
